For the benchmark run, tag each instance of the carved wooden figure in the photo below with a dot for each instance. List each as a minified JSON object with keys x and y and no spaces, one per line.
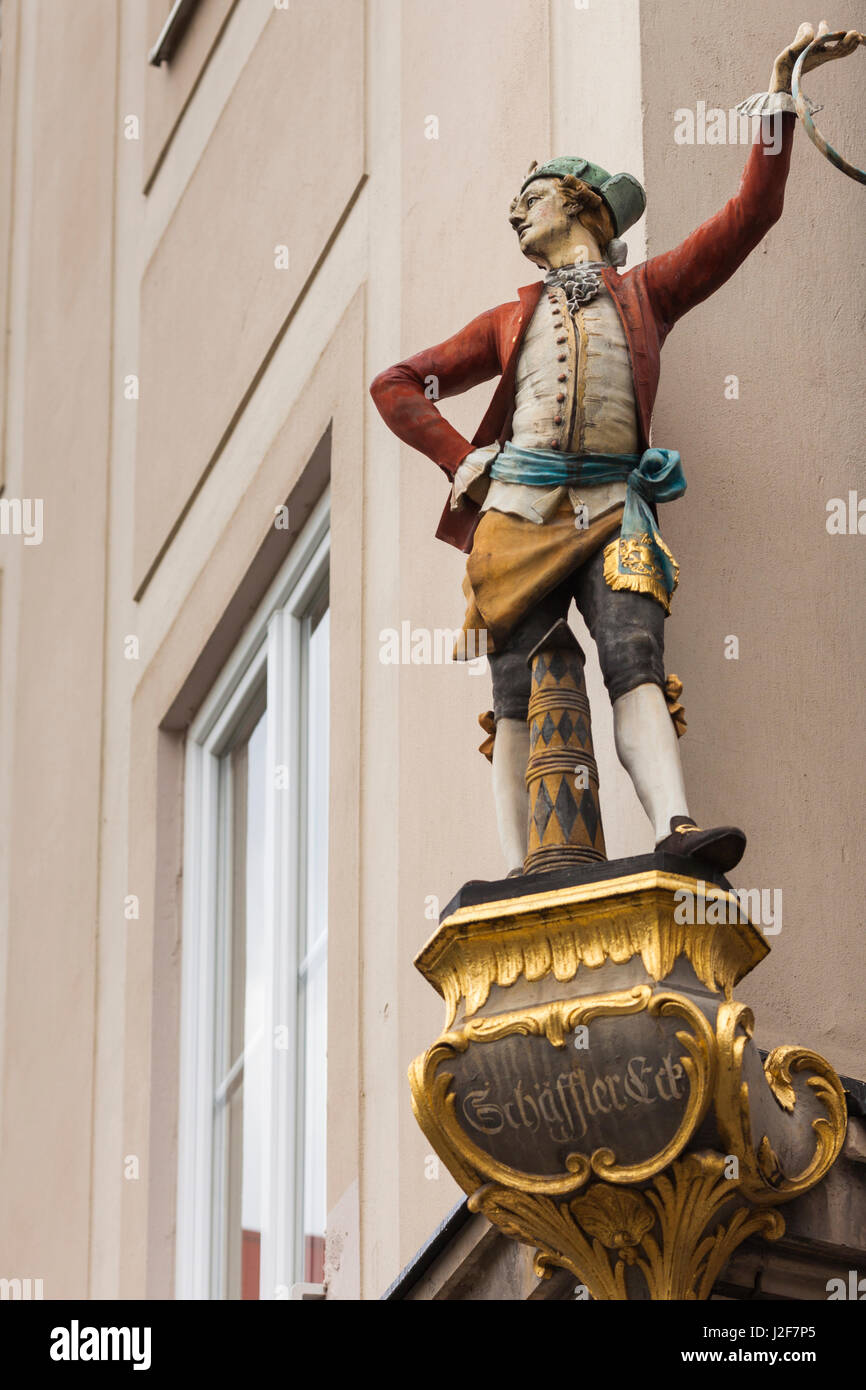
{"x":556,"y":496}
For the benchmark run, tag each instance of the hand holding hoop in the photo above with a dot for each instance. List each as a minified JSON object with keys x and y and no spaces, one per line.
{"x":821,"y":54}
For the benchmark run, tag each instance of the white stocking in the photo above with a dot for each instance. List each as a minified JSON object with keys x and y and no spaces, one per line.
{"x":510,"y":756}
{"x":648,"y":748}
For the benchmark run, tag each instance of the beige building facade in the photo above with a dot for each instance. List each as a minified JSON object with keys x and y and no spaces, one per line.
{"x":205,"y":260}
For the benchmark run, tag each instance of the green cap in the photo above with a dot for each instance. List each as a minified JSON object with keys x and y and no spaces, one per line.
{"x":622,"y":193}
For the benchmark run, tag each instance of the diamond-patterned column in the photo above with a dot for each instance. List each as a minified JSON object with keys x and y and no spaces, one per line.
{"x":562,"y":776}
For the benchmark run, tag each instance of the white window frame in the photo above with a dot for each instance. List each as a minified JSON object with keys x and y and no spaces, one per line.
{"x":270,"y":649}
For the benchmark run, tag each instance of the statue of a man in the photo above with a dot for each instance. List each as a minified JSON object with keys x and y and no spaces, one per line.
{"x":555,"y":497}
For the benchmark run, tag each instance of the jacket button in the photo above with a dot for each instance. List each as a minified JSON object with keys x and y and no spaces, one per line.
{"x":554,"y":443}
{"x":560,"y":396}
{"x":563,"y":376}
{"x":557,"y":419}
{"x":562,"y":340}
{"x":561,"y":357}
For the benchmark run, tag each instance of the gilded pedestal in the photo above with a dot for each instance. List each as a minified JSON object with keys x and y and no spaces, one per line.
{"x":596,"y":1090}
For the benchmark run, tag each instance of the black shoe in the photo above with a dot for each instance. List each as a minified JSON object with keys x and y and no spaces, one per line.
{"x":723,"y":847}
{"x":483,"y":882}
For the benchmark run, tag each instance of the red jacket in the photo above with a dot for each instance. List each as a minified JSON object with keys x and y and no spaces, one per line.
{"x":650,"y":298}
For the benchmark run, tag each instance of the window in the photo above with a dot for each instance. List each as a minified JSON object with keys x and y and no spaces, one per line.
{"x":252,"y":1140}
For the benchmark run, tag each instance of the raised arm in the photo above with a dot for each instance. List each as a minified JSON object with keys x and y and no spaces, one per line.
{"x":405,"y":395}
{"x":684,"y":277}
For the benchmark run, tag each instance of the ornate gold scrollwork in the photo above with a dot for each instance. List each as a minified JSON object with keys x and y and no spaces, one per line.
{"x":687,"y":1258}
{"x":617,"y":1216}
{"x":559,"y":931}
{"x":700,"y":1068}
{"x":435,"y":1109}
{"x":550,"y":1227}
{"x":671,"y":1222}
{"x":671,"y":1233}
{"x":763,"y":1178}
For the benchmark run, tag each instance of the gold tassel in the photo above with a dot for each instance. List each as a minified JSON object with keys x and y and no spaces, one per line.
{"x":648,"y":582}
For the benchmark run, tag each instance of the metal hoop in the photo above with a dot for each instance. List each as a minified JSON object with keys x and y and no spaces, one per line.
{"x":812,"y":130}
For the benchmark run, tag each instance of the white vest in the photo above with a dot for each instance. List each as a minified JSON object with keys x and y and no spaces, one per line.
{"x":585,"y":361}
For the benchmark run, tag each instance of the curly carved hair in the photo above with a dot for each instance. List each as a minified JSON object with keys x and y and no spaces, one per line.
{"x":587,"y":206}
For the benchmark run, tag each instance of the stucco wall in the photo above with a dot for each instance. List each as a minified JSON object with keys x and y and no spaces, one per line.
{"x":58,"y":431}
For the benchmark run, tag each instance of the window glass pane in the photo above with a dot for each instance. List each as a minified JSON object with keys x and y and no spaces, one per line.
{"x":240,"y":1092}
{"x":252,"y":1180}
{"x":318,"y":708}
{"x":254,"y":1014}
{"x":243,"y":1171}
{"x":313,"y":982}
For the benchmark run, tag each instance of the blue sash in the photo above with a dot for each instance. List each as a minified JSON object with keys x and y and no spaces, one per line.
{"x":638,"y":559}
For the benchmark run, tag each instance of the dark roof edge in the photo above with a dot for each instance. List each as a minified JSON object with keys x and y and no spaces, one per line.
{"x":430,"y":1251}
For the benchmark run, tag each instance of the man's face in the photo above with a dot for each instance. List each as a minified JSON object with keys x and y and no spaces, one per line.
{"x":540,"y":221}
